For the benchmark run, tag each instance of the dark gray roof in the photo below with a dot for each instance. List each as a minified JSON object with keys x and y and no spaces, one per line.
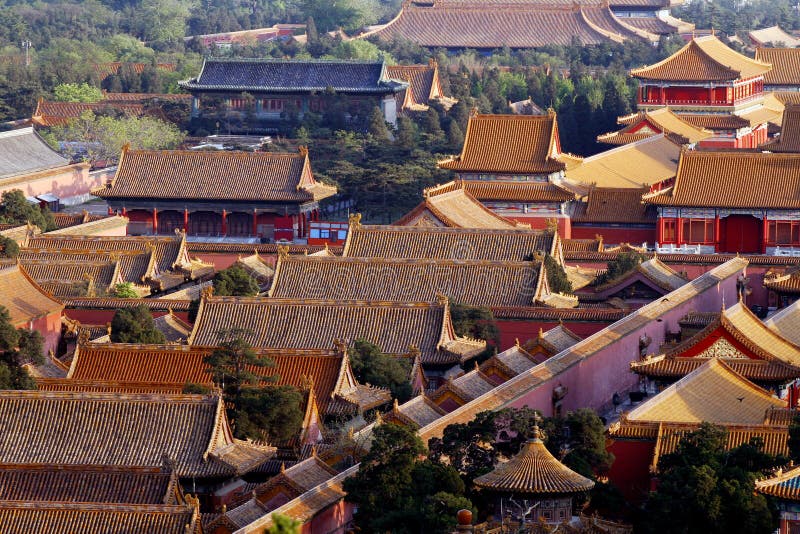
{"x":280,"y":75}
{"x":23,"y":152}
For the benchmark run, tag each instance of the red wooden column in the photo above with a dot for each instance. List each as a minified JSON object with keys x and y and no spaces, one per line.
{"x":224,"y":223}
{"x":679,"y":231}
{"x":660,"y":231}
{"x":155,"y":221}
{"x":710,"y":95}
{"x":661,"y":95}
{"x":765,"y":236}
{"x":255,"y":223}
{"x":185,"y":220}
{"x":110,"y":211}
{"x":716,"y":233}
{"x":124,"y":212}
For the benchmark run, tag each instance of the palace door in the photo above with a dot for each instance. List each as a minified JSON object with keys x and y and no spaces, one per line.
{"x":741,"y":233}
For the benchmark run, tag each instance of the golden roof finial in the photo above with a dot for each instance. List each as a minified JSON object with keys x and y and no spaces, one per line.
{"x":207,"y":291}
{"x":302,"y":150}
{"x":355,"y":219}
{"x":516,"y":342}
{"x":541,"y":332}
{"x":378,"y":418}
{"x":441,"y":299}
{"x":283,"y":251}
{"x":283,"y":467}
{"x":396,"y":405}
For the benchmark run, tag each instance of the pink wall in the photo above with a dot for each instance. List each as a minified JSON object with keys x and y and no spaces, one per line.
{"x":64,"y":182}
{"x":593,"y":380}
{"x":50,"y":328}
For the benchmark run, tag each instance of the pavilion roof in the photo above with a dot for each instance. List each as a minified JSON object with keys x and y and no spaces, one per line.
{"x":24,"y":152}
{"x":506,"y":190}
{"x":170,"y":367}
{"x":649,"y":123}
{"x":632,"y":165}
{"x":423,"y":83}
{"x":716,"y":122}
{"x":733,"y":180}
{"x":615,"y":205}
{"x":88,"y":483}
{"x":214,"y":175}
{"x":104,"y":70}
{"x":786,"y":323}
{"x":60,"y":277}
{"x":469,"y":282}
{"x":789,"y":140}
{"x":516,"y":24}
{"x":456,"y":209}
{"x":52,"y":113}
{"x":656,"y":271}
{"x":712,"y":393}
{"x":316,"y":324}
{"x":23,"y":298}
{"x":773,"y":35}
{"x":123,"y":430}
{"x":704,"y":59}
{"x":447,"y":243}
{"x":509,"y":144}
{"x":291,"y":75}
{"x":94,"y":518}
{"x":534,"y":471}
{"x":785,"y":485}
{"x":785,"y":65}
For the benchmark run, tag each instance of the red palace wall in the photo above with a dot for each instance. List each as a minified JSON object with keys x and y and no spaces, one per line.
{"x":332,"y":520}
{"x":615,"y":236}
{"x":539,"y":222}
{"x":525,"y":329}
{"x":630,"y":472}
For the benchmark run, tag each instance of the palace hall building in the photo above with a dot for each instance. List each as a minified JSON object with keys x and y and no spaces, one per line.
{"x":458,"y":24}
{"x":218,"y":193}
{"x":513,"y":165}
{"x":274,"y":89}
{"x":713,"y":87}
{"x":731,"y":202}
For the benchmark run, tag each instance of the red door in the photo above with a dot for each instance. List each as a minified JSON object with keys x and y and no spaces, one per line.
{"x":741,"y":233}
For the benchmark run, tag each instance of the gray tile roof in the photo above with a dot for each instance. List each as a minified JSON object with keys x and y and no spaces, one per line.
{"x":23,"y":152}
{"x":279,"y":75}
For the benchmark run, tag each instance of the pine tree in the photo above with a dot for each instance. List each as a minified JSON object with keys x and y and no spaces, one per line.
{"x":377,"y":125}
{"x":455,"y":137}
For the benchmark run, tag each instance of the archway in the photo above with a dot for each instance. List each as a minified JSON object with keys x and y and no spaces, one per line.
{"x":741,"y":233}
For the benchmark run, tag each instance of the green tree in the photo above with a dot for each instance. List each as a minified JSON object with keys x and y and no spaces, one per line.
{"x":125,"y":290}
{"x":455,"y":137}
{"x":377,"y":125}
{"x":372,"y":366}
{"x":624,"y":263}
{"x":477,"y":322}
{"x":258,"y":408}
{"x":103,"y":136}
{"x":135,"y":325}
{"x":74,"y":92}
{"x":397,"y":491}
{"x":15,"y":209}
{"x":235,"y":281}
{"x":282,"y":524}
{"x":704,"y":488}
{"x":556,"y":276}
{"x":406,"y":134}
{"x":9,"y":247}
{"x":17,"y":347}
